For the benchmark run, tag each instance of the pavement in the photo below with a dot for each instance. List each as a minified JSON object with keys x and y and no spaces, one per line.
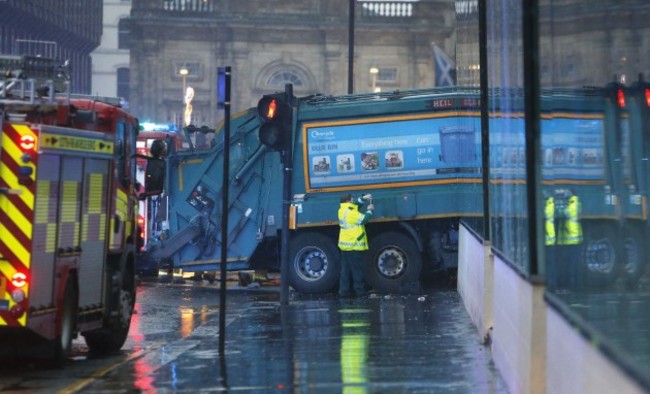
{"x":412,"y":343}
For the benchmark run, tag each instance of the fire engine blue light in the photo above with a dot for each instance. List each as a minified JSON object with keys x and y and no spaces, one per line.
{"x":25,"y":170}
{"x":151,"y":126}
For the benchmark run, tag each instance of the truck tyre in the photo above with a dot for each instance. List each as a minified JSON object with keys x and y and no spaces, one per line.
{"x":67,"y":325}
{"x":314,"y":263}
{"x":600,"y":256}
{"x":112,"y":336}
{"x":394,"y":263}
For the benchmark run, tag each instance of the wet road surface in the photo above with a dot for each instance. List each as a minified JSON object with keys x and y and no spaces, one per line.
{"x":423,"y":343}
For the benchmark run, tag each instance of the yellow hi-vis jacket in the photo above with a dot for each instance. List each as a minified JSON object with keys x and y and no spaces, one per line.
{"x":549,"y":224}
{"x":353,"y":233}
{"x":571,"y":229}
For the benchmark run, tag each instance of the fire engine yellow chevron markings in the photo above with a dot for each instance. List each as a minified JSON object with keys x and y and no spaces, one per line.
{"x":16,"y":247}
{"x":25,"y":195}
{"x":23,"y":130}
{"x":12,"y":179}
{"x":19,"y":220}
{"x":15,"y":151}
{"x":7,"y":270}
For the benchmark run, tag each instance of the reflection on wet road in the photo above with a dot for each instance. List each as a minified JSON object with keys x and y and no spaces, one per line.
{"x":377,"y":344}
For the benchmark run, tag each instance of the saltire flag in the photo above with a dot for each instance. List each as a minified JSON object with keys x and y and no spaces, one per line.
{"x":445,"y":67}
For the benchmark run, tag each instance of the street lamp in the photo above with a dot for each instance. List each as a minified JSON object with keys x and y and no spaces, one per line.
{"x":374,"y":70}
{"x":183,"y":73}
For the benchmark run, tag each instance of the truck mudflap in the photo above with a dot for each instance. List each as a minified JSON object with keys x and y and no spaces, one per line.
{"x":314,"y":263}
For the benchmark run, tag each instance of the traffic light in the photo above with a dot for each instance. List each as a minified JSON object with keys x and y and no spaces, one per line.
{"x":275,"y":114}
{"x":640,"y":91}
{"x":639,"y":94}
{"x":616,"y":95}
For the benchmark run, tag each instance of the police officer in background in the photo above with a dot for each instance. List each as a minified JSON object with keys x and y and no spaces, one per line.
{"x":570,"y":238}
{"x":353,"y":242}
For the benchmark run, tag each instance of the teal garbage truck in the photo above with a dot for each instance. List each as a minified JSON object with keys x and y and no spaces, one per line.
{"x":417,"y":153}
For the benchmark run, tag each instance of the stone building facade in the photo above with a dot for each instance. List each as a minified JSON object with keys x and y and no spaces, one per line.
{"x":578,"y":46}
{"x":111,"y":59}
{"x":270,"y":43}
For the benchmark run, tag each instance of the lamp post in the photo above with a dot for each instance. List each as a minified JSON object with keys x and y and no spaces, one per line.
{"x":183,"y":73}
{"x":374,"y":70}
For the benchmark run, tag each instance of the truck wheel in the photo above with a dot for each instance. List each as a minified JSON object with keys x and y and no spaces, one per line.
{"x":314,"y":263}
{"x":63,"y":341}
{"x":633,"y":266}
{"x":112,"y":336}
{"x":394,"y":264}
{"x":600,"y":255}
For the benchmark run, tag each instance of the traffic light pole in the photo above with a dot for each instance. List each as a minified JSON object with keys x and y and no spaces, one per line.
{"x":225,"y":72}
{"x":287,"y":165}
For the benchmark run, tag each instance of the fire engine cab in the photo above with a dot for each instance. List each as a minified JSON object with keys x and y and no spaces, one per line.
{"x":68,"y":202}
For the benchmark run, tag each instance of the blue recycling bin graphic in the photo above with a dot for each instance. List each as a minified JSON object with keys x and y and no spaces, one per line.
{"x":457,"y":144}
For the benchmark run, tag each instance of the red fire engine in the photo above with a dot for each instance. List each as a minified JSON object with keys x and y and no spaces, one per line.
{"x":67,"y":213}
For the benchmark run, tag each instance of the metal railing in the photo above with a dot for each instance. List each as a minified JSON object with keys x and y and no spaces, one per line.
{"x":387,"y":9}
{"x":31,"y":91}
{"x":189,"y":5}
{"x":383,"y":9}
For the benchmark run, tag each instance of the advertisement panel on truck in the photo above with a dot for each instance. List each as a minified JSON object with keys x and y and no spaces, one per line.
{"x":389,"y":152}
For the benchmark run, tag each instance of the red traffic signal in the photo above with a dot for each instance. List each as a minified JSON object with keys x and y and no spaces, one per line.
{"x":268,"y":107}
{"x":615,"y":93}
{"x":271,"y":109}
{"x":620,"y":97}
{"x":275,"y":115}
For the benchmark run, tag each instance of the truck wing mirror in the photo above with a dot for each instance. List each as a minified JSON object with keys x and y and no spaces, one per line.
{"x":154,"y":177}
{"x":154,"y":171}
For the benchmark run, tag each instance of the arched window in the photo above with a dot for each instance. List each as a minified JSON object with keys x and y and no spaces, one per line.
{"x":282,"y":77}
